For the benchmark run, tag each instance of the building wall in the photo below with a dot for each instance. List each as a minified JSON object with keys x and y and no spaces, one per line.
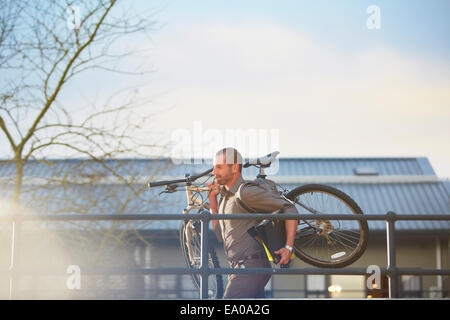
{"x":412,"y":252}
{"x":417,"y":252}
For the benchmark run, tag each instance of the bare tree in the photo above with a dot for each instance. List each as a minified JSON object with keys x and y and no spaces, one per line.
{"x":45,"y":45}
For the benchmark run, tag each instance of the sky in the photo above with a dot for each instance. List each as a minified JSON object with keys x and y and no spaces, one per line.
{"x":306,"y":78}
{"x":310,"y":78}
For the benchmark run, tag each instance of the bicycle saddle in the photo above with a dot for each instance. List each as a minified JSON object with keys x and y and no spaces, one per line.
{"x":263,"y":161}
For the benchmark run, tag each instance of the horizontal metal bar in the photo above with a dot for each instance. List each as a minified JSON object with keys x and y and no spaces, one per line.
{"x":422,"y":272}
{"x":326,"y":271}
{"x":403,"y":217}
{"x":101,"y":271}
{"x":278,"y":179}
{"x":291,"y":271}
{"x":99,"y":217}
{"x":208,"y":216}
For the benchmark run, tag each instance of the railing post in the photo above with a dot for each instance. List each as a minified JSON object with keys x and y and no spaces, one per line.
{"x":15,"y":231}
{"x":204,"y":268}
{"x":12,"y":260}
{"x":391,"y":217}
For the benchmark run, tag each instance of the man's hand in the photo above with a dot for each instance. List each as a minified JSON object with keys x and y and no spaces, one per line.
{"x":285,"y":255}
{"x":214,"y":190}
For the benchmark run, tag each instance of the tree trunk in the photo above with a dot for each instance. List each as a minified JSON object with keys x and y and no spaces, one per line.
{"x":19,"y":164}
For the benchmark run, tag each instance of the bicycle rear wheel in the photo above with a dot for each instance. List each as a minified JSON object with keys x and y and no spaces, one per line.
{"x":190,"y":241}
{"x":328,"y":243}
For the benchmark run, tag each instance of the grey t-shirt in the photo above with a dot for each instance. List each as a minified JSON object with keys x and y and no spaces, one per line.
{"x":233,"y":233}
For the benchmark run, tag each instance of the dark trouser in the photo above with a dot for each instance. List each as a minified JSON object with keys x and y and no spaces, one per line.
{"x":248,"y":285}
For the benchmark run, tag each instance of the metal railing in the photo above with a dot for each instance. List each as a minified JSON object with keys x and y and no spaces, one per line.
{"x":391,"y":271}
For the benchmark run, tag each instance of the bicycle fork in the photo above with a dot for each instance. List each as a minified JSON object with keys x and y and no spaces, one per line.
{"x":188,"y":234}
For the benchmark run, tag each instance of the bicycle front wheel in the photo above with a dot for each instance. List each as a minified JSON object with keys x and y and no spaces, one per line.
{"x":190,"y":241}
{"x":328,"y":243}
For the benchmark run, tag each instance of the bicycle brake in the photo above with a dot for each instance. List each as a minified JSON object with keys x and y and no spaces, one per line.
{"x":170,"y":188}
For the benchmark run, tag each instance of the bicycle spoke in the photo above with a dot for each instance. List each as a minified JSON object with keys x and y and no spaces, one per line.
{"x":344,"y":244}
{"x":328,"y":241}
{"x":347,"y":234}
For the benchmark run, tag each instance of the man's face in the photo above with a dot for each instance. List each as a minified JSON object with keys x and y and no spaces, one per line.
{"x":223,"y":172}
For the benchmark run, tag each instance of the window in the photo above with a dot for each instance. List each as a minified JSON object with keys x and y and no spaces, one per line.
{"x":342,"y":286}
{"x":412,"y":287}
{"x":365,"y":171}
{"x":316,"y":286}
{"x":168,"y":286}
{"x":187,"y":288}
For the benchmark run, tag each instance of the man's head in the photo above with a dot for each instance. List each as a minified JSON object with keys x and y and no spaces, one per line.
{"x":227,"y":166}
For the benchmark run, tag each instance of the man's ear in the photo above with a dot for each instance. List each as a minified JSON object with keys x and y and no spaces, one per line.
{"x":235,"y":168}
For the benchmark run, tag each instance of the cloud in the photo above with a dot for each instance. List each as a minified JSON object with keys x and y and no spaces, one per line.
{"x":371,"y":101}
{"x":262,"y":58}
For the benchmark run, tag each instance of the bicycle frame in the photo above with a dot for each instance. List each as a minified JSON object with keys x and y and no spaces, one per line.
{"x":193,"y":203}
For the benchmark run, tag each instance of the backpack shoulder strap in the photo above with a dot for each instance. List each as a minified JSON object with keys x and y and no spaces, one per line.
{"x":221,"y":193}
{"x":239,"y":198}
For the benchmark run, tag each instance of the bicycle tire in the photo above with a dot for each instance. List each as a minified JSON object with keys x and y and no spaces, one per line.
{"x":212,"y":257}
{"x":299,"y":249}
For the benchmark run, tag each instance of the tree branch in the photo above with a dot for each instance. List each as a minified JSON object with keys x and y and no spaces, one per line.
{"x":63,"y":76}
{"x":8,"y":136}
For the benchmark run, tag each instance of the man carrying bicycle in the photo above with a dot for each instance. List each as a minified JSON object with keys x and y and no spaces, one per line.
{"x":241,"y":249}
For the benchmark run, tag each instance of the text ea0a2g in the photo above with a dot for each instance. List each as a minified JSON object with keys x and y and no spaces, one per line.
{"x":246,"y":309}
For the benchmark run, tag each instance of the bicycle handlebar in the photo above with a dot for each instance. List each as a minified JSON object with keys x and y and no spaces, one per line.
{"x":165,"y":182}
{"x":185,"y":180}
{"x":263,"y":162}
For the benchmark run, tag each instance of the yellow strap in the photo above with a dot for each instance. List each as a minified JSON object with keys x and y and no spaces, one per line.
{"x":270,"y":256}
{"x":267,"y":252}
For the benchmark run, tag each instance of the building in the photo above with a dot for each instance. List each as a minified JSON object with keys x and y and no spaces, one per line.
{"x":378,"y":185}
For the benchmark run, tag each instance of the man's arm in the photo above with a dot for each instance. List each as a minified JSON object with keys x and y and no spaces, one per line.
{"x":291,"y":229}
{"x":264,"y":200}
{"x":213,"y":207}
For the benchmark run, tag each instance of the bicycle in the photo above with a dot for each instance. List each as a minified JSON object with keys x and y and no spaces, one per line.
{"x":321,"y":243}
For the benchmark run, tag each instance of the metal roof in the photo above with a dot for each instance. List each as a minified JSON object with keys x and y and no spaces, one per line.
{"x":285,"y":167}
{"x":425,"y":194}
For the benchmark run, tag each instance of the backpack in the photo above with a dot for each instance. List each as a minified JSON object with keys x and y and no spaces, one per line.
{"x":271,"y":234}
{"x":264,"y":183}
